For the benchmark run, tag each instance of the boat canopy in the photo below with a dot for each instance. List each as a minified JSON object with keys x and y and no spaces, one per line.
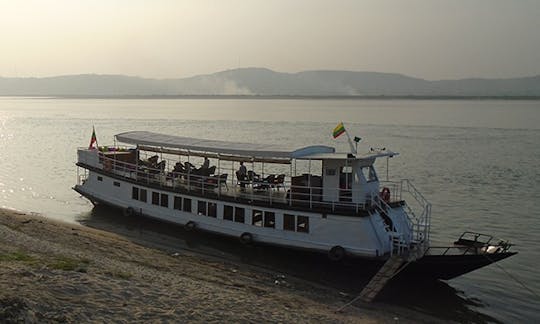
{"x":221,"y":147}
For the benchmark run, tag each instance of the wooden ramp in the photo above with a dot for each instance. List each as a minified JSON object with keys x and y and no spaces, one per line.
{"x":381,"y":278}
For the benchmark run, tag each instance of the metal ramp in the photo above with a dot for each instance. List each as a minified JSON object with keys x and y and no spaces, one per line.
{"x":381,"y":278}
{"x":389,"y":269}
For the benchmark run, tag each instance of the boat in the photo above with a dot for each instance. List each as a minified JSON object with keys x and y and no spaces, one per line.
{"x":310,"y":198}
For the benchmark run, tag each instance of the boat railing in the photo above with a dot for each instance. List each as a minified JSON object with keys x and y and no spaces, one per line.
{"x":222,"y":184}
{"x":471,"y":243}
{"x":419,"y":214}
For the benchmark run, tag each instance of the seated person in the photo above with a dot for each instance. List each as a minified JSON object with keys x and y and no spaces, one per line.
{"x":152,"y":161}
{"x":206,"y":163}
{"x":178,"y":167}
{"x":188,"y":167}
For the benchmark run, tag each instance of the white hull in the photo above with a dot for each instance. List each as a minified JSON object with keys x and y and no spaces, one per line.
{"x":363,"y":236}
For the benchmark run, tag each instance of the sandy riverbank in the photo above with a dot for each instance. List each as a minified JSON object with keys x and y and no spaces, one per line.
{"x":52,"y":271}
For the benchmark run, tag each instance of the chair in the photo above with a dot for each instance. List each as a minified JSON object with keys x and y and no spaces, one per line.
{"x":222,"y":179}
{"x":269,"y":179}
{"x":279,"y":181}
{"x":242,"y":179}
{"x":252,"y":176}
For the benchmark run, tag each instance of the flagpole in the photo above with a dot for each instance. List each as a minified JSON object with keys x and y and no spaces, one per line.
{"x":94,"y":131}
{"x":353,"y":150}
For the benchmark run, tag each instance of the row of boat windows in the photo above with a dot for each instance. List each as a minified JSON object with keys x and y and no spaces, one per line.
{"x":259,"y":218}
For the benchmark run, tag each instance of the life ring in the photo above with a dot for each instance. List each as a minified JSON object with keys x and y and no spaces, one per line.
{"x":246,"y":238}
{"x":336,"y":253}
{"x":385,"y":194}
{"x":190,"y":226}
{"x":107,"y":165}
{"x":128,"y":212}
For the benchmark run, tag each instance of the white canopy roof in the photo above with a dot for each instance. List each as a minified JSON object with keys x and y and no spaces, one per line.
{"x":221,"y":147}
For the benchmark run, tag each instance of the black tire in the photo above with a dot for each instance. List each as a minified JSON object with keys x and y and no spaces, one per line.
{"x":336,"y":253}
{"x":128,"y":212}
{"x":190,"y":226}
{"x":246,"y":238}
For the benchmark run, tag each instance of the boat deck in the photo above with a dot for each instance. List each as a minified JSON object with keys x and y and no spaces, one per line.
{"x":259,"y":193}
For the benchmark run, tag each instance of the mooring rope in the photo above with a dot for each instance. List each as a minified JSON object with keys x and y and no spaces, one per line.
{"x":514,"y":278}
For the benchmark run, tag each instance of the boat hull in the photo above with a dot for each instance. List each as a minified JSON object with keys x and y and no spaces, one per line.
{"x":429,"y":267}
{"x":447,"y":267}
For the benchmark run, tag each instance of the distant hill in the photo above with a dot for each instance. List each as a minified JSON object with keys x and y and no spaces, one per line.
{"x":264,"y":82}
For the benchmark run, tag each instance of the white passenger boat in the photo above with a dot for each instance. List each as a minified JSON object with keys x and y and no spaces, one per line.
{"x":310,"y":198}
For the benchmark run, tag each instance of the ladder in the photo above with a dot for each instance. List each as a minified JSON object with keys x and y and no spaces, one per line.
{"x":388,"y":270}
{"x":381,"y":278}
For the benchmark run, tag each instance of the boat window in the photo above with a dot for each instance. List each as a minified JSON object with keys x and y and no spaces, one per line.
{"x":201,"y":207}
{"x":239,"y":215}
{"x":269,"y":219}
{"x":116,"y":184}
{"x":302,"y":224}
{"x":288,"y":222}
{"x":155,"y":198}
{"x":143,"y":195}
{"x":212,"y":209}
{"x":228,"y":212}
{"x":135,"y":193}
{"x":187,"y":205}
{"x":257,"y":218}
{"x":177,"y":203}
{"x":369,"y":173}
{"x":99,"y":178}
{"x":164,"y":200}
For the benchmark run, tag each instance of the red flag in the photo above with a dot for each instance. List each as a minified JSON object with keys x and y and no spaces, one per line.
{"x":93,"y":140}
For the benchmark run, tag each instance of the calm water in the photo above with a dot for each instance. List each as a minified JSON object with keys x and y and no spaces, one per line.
{"x":476,"y":161}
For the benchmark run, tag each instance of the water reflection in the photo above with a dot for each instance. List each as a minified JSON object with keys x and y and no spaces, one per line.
{"x":435,"y":298}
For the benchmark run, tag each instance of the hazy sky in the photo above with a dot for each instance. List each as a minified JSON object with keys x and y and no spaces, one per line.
{"x":430,"y":39}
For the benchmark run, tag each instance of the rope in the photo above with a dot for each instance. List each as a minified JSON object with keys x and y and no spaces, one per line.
{"x":514,"y":278}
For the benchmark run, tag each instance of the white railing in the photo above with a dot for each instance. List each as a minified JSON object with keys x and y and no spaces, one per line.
{"x":222,"y":184}
{"x":418,"y":218}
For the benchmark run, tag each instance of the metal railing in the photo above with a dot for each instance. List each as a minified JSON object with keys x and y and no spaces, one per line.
{"x":223,"y":185}
{"x":418,"y":218}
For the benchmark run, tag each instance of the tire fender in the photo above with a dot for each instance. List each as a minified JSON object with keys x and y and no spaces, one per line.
{"x":336,"y":253}
{"x":246,"y":238}
{"x":128,"y":212}
{"x":190,"y":226}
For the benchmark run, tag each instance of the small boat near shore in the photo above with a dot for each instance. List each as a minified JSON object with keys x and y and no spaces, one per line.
{"x":307,"y":198}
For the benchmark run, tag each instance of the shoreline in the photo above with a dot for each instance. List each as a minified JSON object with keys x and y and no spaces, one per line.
{"x":55,"y":271}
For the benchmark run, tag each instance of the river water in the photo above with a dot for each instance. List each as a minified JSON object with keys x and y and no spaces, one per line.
{"x":476,"y":161}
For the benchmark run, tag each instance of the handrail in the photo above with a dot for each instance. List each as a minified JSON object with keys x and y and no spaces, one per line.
{"x":296,"y":195}
{"x":420,"y":220}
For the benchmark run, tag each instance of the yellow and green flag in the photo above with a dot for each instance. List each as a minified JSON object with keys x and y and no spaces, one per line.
{"x":340,"y":129}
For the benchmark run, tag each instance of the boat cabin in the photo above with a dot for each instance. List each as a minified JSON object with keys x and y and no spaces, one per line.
{"x":313,"y":175}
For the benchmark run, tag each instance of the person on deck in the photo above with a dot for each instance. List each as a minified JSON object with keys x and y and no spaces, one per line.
{"x":241,"y":174}
{"x":206,"y":164}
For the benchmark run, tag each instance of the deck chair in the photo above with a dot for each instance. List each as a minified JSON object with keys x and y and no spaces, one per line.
{"x":279,"y":181}
{"x":222,"y":179}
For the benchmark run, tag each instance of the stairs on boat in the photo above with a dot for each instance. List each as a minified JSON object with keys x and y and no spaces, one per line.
{"x":381,"y":278}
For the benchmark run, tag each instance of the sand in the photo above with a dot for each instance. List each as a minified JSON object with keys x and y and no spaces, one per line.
{"x":59,"y":272}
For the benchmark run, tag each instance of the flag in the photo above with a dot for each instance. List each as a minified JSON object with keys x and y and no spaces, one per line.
{"x":93,"y":139}
{"x":340,"y":129}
